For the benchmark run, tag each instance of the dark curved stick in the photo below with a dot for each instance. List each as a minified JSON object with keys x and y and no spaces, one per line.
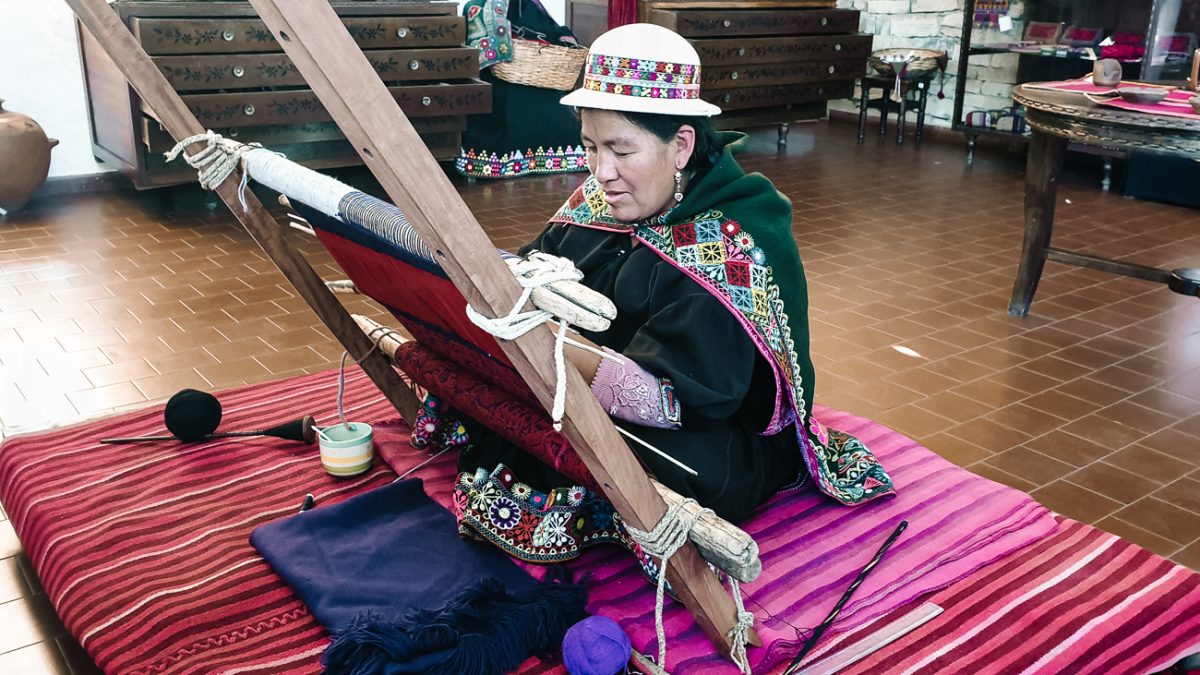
{"x":298,"y":430}
{"x":820,"y":630}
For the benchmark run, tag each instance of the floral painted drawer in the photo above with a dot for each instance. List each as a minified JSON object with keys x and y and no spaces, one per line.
{"x":235,"y":78}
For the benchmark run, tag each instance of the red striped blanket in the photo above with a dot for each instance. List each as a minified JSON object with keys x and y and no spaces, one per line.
{"x":143,"y":550}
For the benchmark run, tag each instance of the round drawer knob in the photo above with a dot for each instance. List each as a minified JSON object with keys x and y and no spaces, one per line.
{"x":837,"y":47}
{"x":227,"y":36}
{"x":401,"y":32}
{"x":741,"y":51}
{"x":249,"y":109}
{"x":832,"y":70}
{"x":727,"y":23}
{"x":733,"y":75}
{"x":238,"y":71}
{"x":727,"y":98}
{"x":824,"y":21}
{"x":425,"y":101}
{"x":233,"y":133}
{"x":414,"y":65}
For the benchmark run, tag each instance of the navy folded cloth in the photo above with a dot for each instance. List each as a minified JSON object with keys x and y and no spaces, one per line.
{"x":387,"y":574}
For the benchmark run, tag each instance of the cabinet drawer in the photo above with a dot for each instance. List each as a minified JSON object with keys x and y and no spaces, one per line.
{"x":713,"y":23}
{"x":157,"y":140}
{"x":733,"y":77}
{"x":719,"y":52}
{"x":220,"y":36}
{"x":762,"y":97}
{"x":259,"y":108}
{"x":238,"y":71}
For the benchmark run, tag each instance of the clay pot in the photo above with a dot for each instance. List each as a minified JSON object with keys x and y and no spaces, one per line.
{"x":24,"y":158}
{"x":1106,"y":73}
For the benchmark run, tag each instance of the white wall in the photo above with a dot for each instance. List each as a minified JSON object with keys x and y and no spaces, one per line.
{"x":47,"y":85}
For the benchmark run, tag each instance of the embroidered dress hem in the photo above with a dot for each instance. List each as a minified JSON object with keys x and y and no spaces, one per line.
{"x":485,"y":164}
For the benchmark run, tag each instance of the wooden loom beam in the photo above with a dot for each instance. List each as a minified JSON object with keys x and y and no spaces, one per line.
{"x":106,"y":27}
{"x":338,"y":72}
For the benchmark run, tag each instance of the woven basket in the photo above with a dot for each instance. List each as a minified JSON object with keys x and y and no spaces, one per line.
{"x":924,"y":61}
{"x":538,"y":64}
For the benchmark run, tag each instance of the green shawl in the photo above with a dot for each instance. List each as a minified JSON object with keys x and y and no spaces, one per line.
{"x":732,"y":234}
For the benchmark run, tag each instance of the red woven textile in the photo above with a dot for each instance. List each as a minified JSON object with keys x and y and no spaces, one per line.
{"x":513,"y":418}
{"x":143,"y":549}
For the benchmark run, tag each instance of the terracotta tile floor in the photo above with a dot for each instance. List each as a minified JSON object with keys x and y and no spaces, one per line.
{"x":1092,"y":404}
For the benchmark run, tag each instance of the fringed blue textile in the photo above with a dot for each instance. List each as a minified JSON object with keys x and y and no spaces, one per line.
{"x":388,"y":575}
{"x":486,"y":630}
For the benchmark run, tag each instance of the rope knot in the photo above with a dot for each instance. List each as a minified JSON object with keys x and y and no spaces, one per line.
{"x":668,"y":536}
{"x":219,"y":158}
{"x":534,"y":271}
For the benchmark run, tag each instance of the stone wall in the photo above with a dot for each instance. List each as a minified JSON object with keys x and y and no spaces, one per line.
{"x":937,"y":24}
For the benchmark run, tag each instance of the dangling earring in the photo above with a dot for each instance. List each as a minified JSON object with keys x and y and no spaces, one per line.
{"x":678,"y":187}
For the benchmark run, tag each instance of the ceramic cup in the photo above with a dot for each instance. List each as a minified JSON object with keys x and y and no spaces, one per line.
{"x":1106,"y":73}
{"x":347,"y":450}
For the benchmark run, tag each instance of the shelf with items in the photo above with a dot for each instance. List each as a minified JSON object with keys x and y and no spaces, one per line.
{"x":1061,"y":39}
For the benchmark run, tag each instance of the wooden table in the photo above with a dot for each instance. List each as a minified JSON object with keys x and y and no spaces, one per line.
{"x":1058,"y":118}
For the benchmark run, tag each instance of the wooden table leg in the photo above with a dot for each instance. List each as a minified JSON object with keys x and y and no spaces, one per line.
{"x":923,"y":93}
{"x":862,"y":111}
{"x":1041,"y":192}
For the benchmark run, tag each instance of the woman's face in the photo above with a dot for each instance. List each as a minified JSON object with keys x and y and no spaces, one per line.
{"x":635,"y":168}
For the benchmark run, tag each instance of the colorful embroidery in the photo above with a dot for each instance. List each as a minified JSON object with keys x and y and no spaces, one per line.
{"x":716,"y":252}
{"x":670,"y":404}
{"x":488,"y":30}
{"x":540,"y":527}
{"x":435,"y":428}
{"x":641,"y":78}
{"x":482,"y":164}
{"x":531,"y":525}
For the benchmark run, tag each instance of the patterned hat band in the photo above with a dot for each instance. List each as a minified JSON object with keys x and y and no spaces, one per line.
{"x":641,"y":77}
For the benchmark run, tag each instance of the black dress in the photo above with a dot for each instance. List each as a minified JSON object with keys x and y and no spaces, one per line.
{"x":673,"y":328}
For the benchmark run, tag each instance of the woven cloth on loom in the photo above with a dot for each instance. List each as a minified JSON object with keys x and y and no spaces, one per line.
{"x":144,"y":551}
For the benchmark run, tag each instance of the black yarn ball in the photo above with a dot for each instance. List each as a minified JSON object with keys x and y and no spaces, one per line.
{"x":192,"y":414}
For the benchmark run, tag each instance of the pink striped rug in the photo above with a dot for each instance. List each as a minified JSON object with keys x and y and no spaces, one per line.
{"x":1082,"y":601}
{"x":143,"y":550}
{"x":812,"y":549}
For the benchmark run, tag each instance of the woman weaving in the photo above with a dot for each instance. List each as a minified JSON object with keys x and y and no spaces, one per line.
{"x":711,"y":334}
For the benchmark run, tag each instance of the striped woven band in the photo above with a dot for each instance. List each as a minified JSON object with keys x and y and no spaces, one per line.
{"x":642,"y":78}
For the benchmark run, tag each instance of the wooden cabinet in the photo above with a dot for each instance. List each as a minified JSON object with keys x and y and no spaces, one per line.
{"x":763,"y":61}
{"x":233,"y":75}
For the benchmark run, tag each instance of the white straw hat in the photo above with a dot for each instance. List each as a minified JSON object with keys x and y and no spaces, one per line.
{"x":641,"y":67}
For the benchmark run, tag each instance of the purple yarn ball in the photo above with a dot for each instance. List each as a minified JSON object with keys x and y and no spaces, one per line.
{"x":595,"y":646}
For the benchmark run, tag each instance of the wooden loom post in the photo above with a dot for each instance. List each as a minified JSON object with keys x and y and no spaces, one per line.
{"x":338,"y":72}
{"x":104,"y":24}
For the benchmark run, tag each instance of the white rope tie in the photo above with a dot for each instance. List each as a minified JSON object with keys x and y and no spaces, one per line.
{"x":667,"y":537}
{"x":740,"y":633}
{"x":535,"y":271}
{"x":216,"y":161}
